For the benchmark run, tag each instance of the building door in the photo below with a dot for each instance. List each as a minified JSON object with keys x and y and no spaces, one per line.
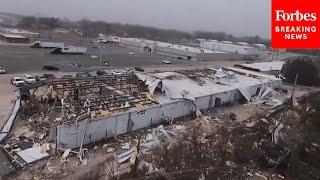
{"x":217,"y":102}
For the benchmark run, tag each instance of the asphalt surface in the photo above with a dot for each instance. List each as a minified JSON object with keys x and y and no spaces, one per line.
{"x":22,"y":59}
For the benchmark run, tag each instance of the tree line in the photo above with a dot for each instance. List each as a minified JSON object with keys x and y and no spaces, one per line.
{"x":93,"y":28}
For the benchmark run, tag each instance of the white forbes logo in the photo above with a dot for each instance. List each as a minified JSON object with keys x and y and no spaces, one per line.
{"x":281,"y":15}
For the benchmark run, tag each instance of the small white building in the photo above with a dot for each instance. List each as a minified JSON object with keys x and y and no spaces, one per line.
{"x":227,"y":46}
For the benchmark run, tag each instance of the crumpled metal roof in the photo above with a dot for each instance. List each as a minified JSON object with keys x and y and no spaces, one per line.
{"x":178,"y":86}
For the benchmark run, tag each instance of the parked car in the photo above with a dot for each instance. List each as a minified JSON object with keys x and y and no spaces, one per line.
{"x":40,"y":78}
{"x":116,"y":72}
{"x":76,"y":65}
{"x":88,"y":74}
{"x":49,"y":76}
{"x":94,"y":57}
{"x":129,"y":70}
{"x":2,"y":70}
{"x":29,"y":79}
{"x":67,"y":76}
{"x":101,"y":73}
{"x":140,"y":69}
{"x":50,"y":68}
{"x":17,"y":81}
{"x":131,"y":53}
{"x":81,"y":75}
{"x":166,"y":62}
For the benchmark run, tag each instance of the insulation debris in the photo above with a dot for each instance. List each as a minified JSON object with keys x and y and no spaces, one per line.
{"x":33,"y":154}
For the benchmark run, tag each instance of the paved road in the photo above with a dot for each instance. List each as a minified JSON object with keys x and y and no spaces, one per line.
{"x":18,"y":59}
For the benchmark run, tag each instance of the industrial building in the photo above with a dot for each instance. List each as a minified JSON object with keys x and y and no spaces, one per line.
{"x":170,"y":50}
{"x":241,"y":48}
{"x":77,"y":111}
{"x":162,"y":48}
{"x":19,"y":32}
{"x":12,"y":38}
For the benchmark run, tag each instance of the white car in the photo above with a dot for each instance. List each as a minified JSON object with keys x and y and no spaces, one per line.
{"x":166,"y":62}
{"x":29,"y":79}
{"x":115,"y":72}
{"x":94,"y":57}
{"x":131,"y":53}
{"x":2,"y":70}
{"x":17,"y":81}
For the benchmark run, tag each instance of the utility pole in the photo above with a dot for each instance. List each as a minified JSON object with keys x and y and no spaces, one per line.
{"x":100,"y":56}
{"x":295,"y":83}
{"x":294,"y":88}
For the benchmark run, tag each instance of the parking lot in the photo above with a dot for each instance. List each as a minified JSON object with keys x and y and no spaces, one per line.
{"x":22,"y":59}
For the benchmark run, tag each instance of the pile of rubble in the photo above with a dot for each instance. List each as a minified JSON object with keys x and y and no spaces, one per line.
{"x":225,"y":149}
{"x":209,"y":146}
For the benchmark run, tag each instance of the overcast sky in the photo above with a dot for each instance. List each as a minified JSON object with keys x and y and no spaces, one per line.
{"x":239,"y":17}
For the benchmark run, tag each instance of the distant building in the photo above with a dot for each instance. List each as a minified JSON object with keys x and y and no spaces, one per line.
{"x":172,"y":50}
{"x":247,"y":51}
{"x":20,"y":32}
{"x":12,"y":38}
{"x":108,"y":39}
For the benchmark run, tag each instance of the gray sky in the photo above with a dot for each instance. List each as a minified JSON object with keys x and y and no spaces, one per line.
{"x":239,"y":17}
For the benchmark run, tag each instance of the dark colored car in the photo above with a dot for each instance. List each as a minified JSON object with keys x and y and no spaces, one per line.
{"x":67,"y":76}
{"x":81,"y":75}
{"x":101,"y":73}
{"x":49,"y":76}
{"x":50,"y":68}
{"x":88,"y":74}
{"x":140,"y":69}
{"x":40,"y":78}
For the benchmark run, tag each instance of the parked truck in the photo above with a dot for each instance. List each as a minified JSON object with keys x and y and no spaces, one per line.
{"x":39,"y":44}
{"x":69,"y":50}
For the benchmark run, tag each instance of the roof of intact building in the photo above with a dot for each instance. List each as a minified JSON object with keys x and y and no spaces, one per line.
{"x":263,"y":66}
{"x":13,"y":36}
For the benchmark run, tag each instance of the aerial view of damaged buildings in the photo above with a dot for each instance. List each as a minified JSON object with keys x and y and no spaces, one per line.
{"x":66,"y":116}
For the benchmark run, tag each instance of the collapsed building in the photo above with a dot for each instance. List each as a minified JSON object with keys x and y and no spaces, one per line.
{"x":75,"y":112}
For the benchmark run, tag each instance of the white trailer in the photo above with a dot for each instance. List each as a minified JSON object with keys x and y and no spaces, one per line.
{"x":39,"y":44}
{"x":69,"y":50}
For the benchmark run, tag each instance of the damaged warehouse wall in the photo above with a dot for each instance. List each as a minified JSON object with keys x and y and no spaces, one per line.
{"x":85,"y":132}
{"x":99,"y":129}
